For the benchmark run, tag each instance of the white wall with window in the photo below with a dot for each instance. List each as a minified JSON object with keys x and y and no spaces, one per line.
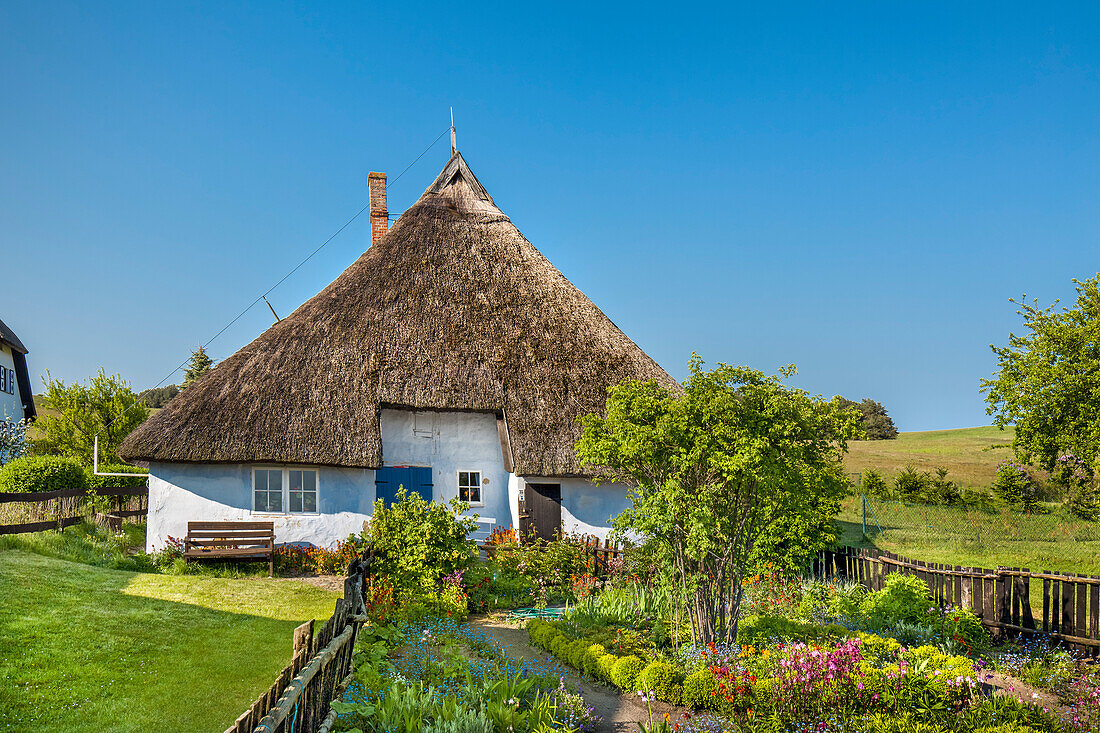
{"x":464,"y":452}
{"x":318,"y":505}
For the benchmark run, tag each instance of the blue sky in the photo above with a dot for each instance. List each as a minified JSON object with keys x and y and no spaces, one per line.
{"x":857,"y":188}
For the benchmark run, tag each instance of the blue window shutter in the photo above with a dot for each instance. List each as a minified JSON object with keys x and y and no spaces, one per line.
{"x":422,"y":480}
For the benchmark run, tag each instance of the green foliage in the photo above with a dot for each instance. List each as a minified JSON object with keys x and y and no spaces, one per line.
{"x":13,"y":439}
{"x":877,"y":424}
{"x":42,"y":473}
{"x":874,"y":484}
{"x":735,"y":469}
{"x":197,"y":366}
{"x":591,"y":662}
{"x":418,"y":542}
{"x":911,"y":485}
{"x":625,"y":672}
{"x":759,"y":629}
{"x":1014,"y":486}
{"x":607,"y":667}
{"x":74,"y":414}
{"x":942,"y":490}
{"x":905,"y":598}
{"x":1009,"y":714}
{"x":158,"y":396}
{"x":1044,"y":384}
{"x":663,"y":680}
{"x":699,"y":690}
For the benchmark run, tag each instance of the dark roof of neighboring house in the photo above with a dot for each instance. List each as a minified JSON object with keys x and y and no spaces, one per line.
{"x":8,"y":337}
{"x":452,"y":309}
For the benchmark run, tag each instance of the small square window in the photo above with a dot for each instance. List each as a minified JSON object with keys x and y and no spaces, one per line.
{"x":469,"y":486}
{"x":303,"y":491}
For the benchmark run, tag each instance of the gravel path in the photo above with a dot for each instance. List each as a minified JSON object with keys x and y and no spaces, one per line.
{"x":621,"y":714}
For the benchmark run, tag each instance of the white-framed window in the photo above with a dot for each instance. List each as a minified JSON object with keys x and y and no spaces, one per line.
{"x":469,"y":486}
{"x":284,"y":491}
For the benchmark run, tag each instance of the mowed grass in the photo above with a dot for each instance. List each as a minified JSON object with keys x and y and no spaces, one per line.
{"x":965,"y":453}
{"x":1057,"y":541}
{"x":87,"y":648}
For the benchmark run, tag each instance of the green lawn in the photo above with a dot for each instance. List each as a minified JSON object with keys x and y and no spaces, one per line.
{"x":87,"y":648}
{"x":964,"y":453}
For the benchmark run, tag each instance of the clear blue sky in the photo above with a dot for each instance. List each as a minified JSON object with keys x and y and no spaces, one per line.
{"x":854,"y":188}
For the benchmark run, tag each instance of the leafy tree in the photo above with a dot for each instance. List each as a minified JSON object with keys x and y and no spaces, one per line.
{"x":159,"y":396}
{"x":876,"y":422}
{"x":199,"y":365}
{"x":911,"y":484}
{"x":74,"y":414}
{"x":735,"y":462}
{"x":1047,"y":381}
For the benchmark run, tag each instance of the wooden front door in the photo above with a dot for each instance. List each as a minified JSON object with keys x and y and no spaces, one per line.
{"x":544,"y":509}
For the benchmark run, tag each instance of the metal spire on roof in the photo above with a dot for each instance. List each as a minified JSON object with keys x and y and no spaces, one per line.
{"x":454,"y":145}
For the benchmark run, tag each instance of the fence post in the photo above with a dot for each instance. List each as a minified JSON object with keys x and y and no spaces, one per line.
{"x":864,"y":516}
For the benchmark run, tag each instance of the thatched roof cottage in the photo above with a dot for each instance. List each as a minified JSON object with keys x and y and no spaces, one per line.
{"x":451,"y":358}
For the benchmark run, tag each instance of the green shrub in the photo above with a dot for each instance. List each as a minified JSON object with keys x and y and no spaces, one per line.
{"x":877,"y":648}
{"x":1014,"y":486}
{"x":874,"y":484}
{"x":592,"y":658}
{"x":417,"y":542}
{"x":756,"y":630}
{"x":961,"y":629}
{"x":911,"y":485}
{"x":663,"y":680}
{"x":558,"y":645}
{"x":699,"y":690}
{"x":575,"y":655}
{"x":902,"y":723}
{"x":905,"y":598}
{"x":625,"y":673}
{"x":606,"y":666}
{"x":42,"y":473}
{"x":115,"y":482}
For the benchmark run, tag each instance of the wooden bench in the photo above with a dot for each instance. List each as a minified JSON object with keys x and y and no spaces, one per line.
{"x":231,"y":541}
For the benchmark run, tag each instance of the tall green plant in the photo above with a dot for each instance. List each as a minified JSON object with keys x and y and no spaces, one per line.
{"x":734,"y":464}
{"x":418,"y":542}
{"x":73,"y":414}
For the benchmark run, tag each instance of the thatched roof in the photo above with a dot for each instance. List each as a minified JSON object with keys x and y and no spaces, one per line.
{"x":453,"y":309}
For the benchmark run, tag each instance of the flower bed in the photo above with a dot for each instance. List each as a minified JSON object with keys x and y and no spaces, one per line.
{"x":819,"y":657}
{"x":442,"y":676}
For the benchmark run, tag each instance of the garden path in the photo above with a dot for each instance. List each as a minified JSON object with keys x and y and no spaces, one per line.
{"x":621,"y":714}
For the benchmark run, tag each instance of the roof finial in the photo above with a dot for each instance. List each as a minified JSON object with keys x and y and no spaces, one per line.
{"x":454,"y":145}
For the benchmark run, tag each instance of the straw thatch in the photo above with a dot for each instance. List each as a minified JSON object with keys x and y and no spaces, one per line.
{"x":453,"y":309}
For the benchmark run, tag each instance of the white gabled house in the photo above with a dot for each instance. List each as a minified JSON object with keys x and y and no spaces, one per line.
{"x":451,"y":358}
{"x":16,"y":402}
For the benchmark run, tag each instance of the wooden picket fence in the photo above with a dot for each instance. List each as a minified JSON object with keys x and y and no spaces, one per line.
{"x":43,"y":510}
{"x":598,"y":556}
{"x":1002,"y":598}
{"x":300,"y":698}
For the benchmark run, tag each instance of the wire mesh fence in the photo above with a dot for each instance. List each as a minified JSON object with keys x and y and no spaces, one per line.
{"x":868,"y":516}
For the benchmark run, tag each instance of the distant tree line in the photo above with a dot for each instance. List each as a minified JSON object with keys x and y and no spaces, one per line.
{"x":159,"y":396}
{"x":197,"y":366}
{"x":876,"y":423}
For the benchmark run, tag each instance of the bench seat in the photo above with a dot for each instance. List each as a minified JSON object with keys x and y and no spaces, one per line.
{"x":231,"y":541}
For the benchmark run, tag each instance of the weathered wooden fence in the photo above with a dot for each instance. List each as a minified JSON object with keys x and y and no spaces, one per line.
{"x":1002,"y":598}
{"x":319,"y":672}
{"x":599,"y":555}
{"x":42,"y":510}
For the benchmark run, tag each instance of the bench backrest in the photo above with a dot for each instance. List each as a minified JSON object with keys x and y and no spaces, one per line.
{"x":230,"y":534}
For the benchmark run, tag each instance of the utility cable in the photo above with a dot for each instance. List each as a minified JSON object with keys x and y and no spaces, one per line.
{"x":263,"y":296}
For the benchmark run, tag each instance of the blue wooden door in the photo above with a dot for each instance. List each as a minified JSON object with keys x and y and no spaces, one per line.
{"x":415,"y":479}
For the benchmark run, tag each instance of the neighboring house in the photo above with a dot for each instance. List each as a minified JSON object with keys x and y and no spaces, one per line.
{"x":451,"y":358}
{"x":16,"y":402}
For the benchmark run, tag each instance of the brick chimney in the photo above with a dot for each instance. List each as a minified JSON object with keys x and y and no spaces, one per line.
{"x":379,"y":216}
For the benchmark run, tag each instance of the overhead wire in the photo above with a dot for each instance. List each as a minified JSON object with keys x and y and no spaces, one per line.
{"x":263,"y":296}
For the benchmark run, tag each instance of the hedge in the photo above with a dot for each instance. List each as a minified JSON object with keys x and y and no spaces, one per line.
{"x":42,"y":473}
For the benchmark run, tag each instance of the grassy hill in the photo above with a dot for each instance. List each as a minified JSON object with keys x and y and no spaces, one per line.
{"x":965,"y":453}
